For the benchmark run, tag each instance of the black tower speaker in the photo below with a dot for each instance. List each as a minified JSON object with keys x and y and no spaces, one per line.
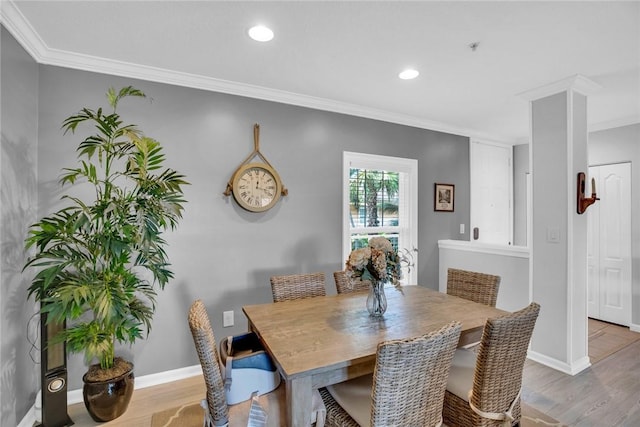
{"x":53,"y":363}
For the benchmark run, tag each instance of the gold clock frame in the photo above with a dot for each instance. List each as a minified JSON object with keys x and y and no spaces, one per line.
{"x":237,"y":180}
{"x":232,"y":185}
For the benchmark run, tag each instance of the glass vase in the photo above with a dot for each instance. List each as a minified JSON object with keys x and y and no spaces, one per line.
{"x":376,"y":300}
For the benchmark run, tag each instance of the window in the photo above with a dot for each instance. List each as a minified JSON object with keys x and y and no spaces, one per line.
{"x":380,"y":196}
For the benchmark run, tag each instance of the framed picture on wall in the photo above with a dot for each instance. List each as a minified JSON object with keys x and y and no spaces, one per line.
{"x":443,"y":197}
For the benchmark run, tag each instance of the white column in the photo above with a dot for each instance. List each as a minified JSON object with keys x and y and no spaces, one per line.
{"x":558,"y":261}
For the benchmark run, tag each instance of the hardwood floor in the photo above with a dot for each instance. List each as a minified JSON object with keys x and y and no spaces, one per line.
{"x":145,"y":403}
{"x":607,"y":394}
{"x":606,"y":338}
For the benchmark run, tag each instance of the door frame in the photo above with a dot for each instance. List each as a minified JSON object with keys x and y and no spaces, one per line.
{"x":628,"y":315}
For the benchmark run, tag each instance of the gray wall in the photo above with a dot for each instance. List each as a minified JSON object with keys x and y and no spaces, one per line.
{"x":615,"y":146}
{"x":19,"y":377}
{"x":221,"y":253}
{"x":549,"y":127}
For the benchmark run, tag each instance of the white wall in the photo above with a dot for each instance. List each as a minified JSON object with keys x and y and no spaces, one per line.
{"x":511,"y":263}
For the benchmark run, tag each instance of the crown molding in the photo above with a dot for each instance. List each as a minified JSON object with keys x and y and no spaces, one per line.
{"x":577,"y":83}
{"x":597,"y":127}
{"x":611,"y":124}
{"x":485,"y":248}
{"x":25,"y":34}
{"x":15,"y":22}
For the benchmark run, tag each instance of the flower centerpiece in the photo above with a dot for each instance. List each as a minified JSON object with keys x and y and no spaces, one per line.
{"x":379,"y":263}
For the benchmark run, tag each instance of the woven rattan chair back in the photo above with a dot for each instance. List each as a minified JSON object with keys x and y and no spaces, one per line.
{"x":474,"y":286}
{"x":297,"y":286}
{"x":498,"y":373}
{"x":205,"y":343}
{"x":344,"y":287}
{"x":409,"y":381}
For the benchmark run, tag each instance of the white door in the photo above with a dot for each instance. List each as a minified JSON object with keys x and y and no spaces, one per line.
{"x":609,"y":244}
{"x":491,"y":183}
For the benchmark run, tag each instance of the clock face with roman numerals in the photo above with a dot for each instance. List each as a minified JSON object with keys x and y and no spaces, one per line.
{"x":256,"y":187}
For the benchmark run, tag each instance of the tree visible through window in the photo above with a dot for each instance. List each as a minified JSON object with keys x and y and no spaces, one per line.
{"x":373,"y":202}
{"x":374,"y":197}
{"x":380,"y":199}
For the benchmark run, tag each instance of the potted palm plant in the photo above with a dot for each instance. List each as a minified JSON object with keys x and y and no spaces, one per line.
{"x":100,"y":259}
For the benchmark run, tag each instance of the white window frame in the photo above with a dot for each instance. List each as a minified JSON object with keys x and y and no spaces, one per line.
{"x":407,"y":209}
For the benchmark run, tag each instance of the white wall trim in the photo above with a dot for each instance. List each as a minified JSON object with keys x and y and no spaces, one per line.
{"x":571,"y":369}
{"x":531,"y":206}
{"x":485,"y":248}
{"x":474,"y":144}
{"x":75,"y":396}
{"x":571,"y":259}
{"x":634,"y":327}
{"x":408,"y":191}
{"x":595,"y":127}
{"x":20,"y":28}
{"x":612,"y":124}
{"x":577,"y":83}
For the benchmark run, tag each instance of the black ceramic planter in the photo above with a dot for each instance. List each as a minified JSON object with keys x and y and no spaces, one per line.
{"x":107,"y":400}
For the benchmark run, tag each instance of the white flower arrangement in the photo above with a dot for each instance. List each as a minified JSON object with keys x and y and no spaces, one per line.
{"x":379,"y":262}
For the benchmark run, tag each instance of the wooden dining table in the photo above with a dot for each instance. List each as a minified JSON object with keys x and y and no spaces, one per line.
{"x":324,"y":340}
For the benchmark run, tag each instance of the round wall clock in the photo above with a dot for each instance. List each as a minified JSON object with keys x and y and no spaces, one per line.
{"x":256,"y":187}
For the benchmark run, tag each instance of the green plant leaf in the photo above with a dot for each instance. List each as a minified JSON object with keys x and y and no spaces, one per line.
{"x":93,"y":257}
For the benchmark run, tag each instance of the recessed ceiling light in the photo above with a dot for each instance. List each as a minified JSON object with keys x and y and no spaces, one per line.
{"x":409,"y":74}
{"x":260,"y":33}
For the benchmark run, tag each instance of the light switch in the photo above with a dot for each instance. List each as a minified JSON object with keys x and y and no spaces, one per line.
{"x":461,"y":228}
{"x":553,"y":235}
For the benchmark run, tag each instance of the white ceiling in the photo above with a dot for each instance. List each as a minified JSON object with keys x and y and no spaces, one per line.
{"x":345,"y":56}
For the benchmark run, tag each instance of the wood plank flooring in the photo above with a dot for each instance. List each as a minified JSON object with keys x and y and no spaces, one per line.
{"x":606,"y":394}
{"x":606,"y":338}
{"x":145,"y":402}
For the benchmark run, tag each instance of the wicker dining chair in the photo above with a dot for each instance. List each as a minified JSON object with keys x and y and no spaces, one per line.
{"x":205,"y":343}
{"x":297,"y":286}
{"x":217,"y":412}
{"x":474,"y":286}
{"x":407,"y":386}
{"x":484,"y":387}
{"x":344,"y":287}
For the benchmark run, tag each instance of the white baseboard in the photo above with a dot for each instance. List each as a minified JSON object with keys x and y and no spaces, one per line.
{"x":571,"y":369}
{"x":75,"y":396}
{"x":634,"y":327}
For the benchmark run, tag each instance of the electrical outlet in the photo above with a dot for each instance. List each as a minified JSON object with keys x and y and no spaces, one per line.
{"x":227,"y":319}
{"x":461,"y":228}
